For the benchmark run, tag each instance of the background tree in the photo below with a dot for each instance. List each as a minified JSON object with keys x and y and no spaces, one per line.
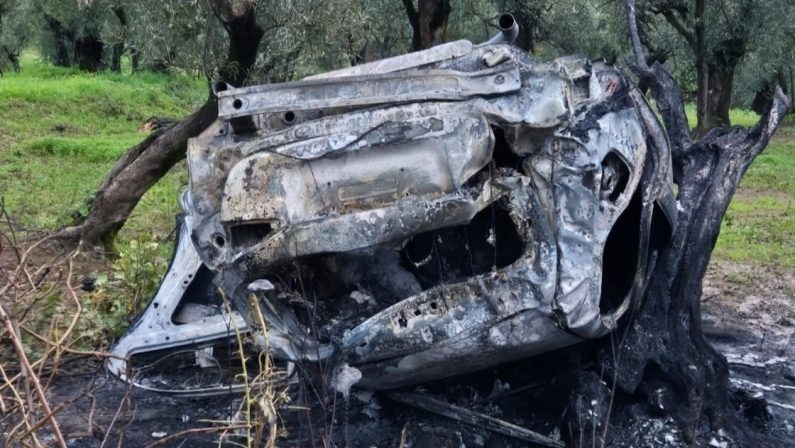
{"x":73,"y":32}
{"x":119,"y":41}
{"x":718,"y":36}
{"x":428,"y":20}
{"x":15,"y":32}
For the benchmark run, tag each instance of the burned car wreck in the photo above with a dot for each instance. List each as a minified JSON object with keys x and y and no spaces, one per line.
{"x":454,"y":209}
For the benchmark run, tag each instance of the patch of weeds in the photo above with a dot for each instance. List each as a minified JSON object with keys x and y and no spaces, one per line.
{"x":121,"y":294}
{"x":737,"y":278}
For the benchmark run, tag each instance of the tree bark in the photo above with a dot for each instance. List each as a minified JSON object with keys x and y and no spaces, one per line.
{"x":117,"y":49}
{"x":662,"y":355}
{"x":143,"y":165}
{"x":62,"y":39}
{"x":428,"y":22}
{"x":88,"y":52}
{"x":721,"y":79}
{"x":137,"y":171}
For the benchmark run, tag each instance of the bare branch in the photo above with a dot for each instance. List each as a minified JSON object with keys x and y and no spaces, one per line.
{"x":679,"y":26}
{"x":30,"y":375}
{"x":664,"y":88}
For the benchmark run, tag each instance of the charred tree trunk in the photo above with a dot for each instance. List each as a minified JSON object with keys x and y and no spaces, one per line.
{"x":428,"y":22}
{"x":663,"y":358}
{"x":143,"y":165}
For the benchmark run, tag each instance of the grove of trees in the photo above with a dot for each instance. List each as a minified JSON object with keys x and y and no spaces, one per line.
{"x":723,"y":52}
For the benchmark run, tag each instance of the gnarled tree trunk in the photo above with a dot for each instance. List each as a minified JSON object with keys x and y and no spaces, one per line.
{"x":663,"y":356}
{"x":143,"y":165}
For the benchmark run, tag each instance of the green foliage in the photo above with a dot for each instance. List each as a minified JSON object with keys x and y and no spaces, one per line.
{"x":123,"y":292}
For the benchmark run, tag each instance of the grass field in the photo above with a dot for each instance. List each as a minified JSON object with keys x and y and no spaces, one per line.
{"x":61,"y":130}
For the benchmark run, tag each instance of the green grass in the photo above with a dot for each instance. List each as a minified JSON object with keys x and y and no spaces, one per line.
{"x":738,"y":117}
{"x":759,"y":226}
{"x":62,"y":129}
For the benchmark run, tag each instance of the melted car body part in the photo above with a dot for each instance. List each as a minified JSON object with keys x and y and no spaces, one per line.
{"x":480,"y":205}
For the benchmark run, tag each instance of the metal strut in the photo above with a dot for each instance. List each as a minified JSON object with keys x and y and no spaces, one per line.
{"x":156,"y":330}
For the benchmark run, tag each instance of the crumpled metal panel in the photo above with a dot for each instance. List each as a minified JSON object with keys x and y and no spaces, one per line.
{"x":371,"y":156}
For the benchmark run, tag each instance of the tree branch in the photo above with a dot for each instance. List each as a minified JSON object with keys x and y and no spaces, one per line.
{"x":634,"y":36}
{"x":412,"y":13}
{"x":664,"y":88}
{"x":768,"y":123}
{"x":680,"y":27}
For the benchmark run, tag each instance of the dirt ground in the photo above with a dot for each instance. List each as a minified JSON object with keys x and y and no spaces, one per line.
{"x":749,"y":315}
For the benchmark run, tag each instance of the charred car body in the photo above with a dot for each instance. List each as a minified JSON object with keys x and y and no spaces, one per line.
{"x":482,"y":205}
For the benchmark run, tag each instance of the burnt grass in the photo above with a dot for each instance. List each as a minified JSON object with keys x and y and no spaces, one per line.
{"x":747,"y":314}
